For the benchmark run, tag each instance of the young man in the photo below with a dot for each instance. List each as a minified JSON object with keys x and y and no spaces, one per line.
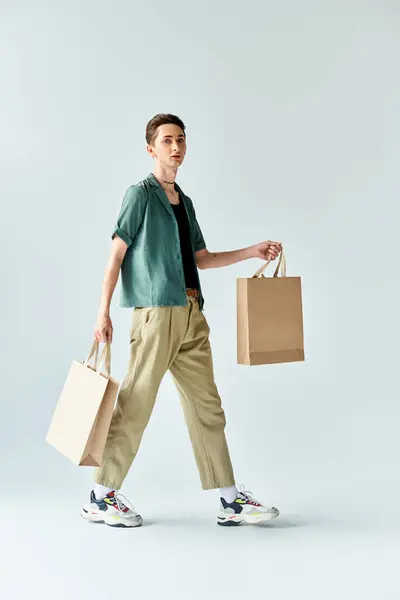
{"x":158,"y":246}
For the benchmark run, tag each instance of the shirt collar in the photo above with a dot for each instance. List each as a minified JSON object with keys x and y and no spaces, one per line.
{"x":154,"y":181}
{"x":161,"y":193}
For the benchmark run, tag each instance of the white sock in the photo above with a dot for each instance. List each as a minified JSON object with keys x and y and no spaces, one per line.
{"x":100,"y":491}
{"x":229,"y":493}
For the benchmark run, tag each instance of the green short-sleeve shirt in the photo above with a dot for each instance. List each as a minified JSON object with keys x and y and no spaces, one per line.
{"x":152,"y":270}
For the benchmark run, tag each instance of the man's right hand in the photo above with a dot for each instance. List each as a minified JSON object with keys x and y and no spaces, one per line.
{"x":103,"y":331}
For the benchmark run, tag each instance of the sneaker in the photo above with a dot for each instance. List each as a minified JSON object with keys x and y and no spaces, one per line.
{"x":246,"y":509}
{"x":111,"y":511}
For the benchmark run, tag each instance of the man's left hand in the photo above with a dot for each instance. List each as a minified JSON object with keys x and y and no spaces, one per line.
{"x":266,"y":250}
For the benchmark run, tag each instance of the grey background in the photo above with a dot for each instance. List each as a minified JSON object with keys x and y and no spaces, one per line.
{"x":292,"y":114}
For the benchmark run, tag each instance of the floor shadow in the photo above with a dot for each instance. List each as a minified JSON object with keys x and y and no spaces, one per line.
{"x":283,"y":524}
{"x":182,"y":522}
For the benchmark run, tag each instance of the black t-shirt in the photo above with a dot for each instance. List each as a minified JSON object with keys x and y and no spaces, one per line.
{"x":189,"y":267}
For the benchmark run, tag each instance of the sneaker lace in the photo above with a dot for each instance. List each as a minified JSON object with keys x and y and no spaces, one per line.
{"x":246,"y":494}
{"x":120,"y":504}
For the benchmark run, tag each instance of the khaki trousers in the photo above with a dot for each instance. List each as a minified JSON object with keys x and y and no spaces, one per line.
{"x":174,"y":338}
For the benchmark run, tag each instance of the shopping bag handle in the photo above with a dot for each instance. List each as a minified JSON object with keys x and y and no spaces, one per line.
{"x":94,"y":350}
{"x":105,"y":356}
{"x":280,"y":266}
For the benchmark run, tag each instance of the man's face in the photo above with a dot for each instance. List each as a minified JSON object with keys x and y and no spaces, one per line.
{"x":169,"y":146}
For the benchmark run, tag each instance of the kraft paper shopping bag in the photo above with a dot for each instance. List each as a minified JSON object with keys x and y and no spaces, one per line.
{"x":82,"y":417}
{"x":269,"y":317}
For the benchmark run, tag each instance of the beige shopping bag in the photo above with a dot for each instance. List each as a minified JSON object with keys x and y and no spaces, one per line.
{"x":82,"y":417}
{"x":269,"y":317}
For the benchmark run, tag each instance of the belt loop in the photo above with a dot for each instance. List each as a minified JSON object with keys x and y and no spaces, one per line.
{"x":193,"y":292}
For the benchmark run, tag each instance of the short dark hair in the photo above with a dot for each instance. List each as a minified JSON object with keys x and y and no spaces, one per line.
{"x":161,"y":119}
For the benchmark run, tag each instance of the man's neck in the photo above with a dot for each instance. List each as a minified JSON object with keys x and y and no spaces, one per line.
{"x":166,"y":177}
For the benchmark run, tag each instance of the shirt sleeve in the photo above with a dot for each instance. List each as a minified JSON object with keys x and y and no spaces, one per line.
{"x":199,"y":243}
{"x":199,"y":239}
{"x":131,"y":215}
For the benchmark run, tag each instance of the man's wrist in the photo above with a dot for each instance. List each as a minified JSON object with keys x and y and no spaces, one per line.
{"x":249,"y":252}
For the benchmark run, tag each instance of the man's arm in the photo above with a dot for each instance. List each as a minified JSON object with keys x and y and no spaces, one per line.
{"x":104,"y":329}
{"x":211,"y":260}
{"x":117,"y":253}
{"x":129,"y":221}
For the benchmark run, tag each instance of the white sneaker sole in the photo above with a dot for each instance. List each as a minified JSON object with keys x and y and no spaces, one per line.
{"x":99,"y":516}
{"x":227,"y":520}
